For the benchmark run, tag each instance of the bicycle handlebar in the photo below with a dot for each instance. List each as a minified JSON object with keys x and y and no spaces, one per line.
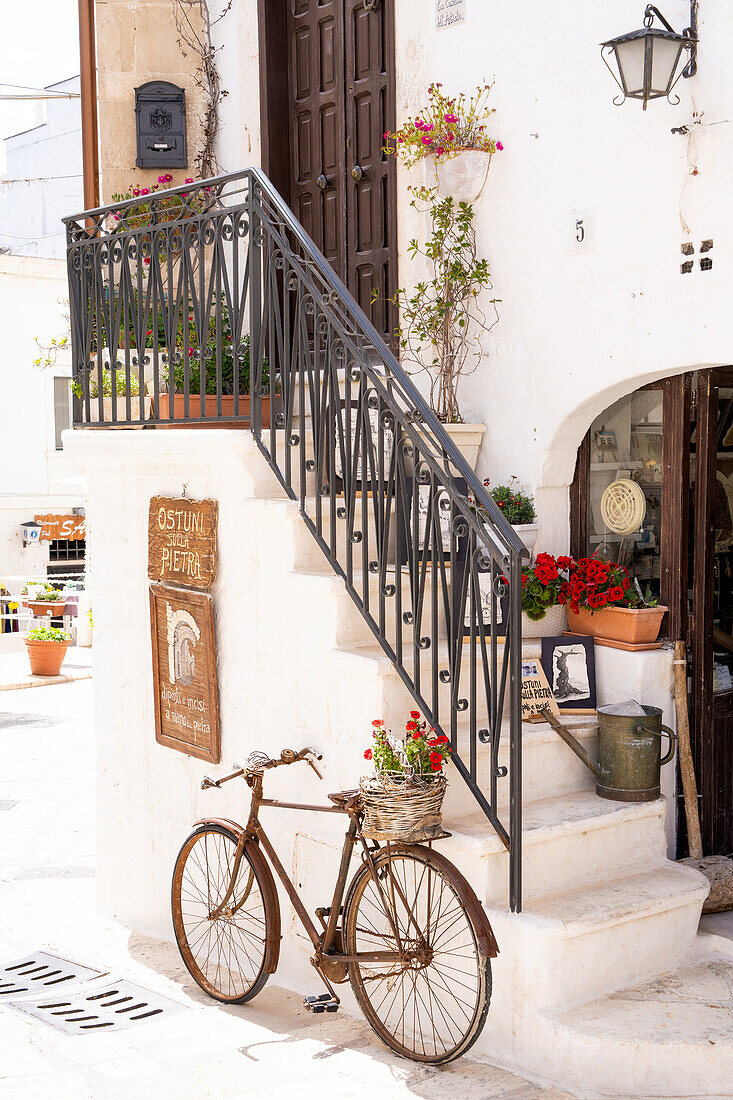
{"x":257,"y":761}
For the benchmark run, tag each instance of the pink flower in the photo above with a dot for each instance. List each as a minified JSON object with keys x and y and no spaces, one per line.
{"x":145,"y":191}
{"x":161,"y":179}
{"x":385,"y":135}
{"x":136,"y":190}
{"x":439,"y":151}
{"x":499,"y":146}
{"x":167,"y":178}
{"x":451,"y":118}
{"x":188,"y":179}
{"x":426,"y":140}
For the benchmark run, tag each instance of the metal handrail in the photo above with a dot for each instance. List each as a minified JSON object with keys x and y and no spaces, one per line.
{"x":424,"y":552}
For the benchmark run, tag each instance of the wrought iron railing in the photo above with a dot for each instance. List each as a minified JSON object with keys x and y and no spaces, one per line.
{"x":220,"y":282}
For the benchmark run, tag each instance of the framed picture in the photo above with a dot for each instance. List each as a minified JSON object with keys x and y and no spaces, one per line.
{"x":570,"y":666}
{"x":184,"y":671}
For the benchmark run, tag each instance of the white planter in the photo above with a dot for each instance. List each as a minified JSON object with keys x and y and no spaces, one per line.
{"x":467,"y":439}
{"x":464,"y":175}
{"x":528,"y":533}
{"x":34,"y":589}
{"x":554,"y":622}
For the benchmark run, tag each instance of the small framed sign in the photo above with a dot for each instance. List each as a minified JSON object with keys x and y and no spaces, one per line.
{"x":536,"y":693}
{"x":184,"y":671}
{"x":182,"y":541}
{"x":570,"y":666}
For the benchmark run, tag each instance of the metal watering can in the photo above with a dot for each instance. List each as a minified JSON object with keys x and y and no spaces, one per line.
{"x":629,"y":751}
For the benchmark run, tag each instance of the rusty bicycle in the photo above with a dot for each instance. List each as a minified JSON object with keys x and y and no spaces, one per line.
{"x":408,"y":933}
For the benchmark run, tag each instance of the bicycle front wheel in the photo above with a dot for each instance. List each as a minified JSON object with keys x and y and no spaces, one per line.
{"x":224,"y":951}
{"x":431,"y":1003}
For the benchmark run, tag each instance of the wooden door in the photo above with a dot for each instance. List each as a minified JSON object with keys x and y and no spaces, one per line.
{"x":711,"y":617}
{"x":342,"y":186}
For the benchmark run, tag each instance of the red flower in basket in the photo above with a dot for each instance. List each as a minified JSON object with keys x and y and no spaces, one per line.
{"x":424,"y":749}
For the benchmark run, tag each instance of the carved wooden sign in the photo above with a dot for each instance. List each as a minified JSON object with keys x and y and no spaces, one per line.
{"x":182,"y":541}
{"x":184,"y":671}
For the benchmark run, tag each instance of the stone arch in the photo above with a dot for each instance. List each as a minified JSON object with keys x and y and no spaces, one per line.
{"x":558,"y":467}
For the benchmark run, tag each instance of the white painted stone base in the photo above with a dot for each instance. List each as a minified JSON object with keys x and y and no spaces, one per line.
{"x":604,"y":908}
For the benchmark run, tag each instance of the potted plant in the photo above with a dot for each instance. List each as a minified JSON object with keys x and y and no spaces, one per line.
{"x":46,"y":650}
{"x":518,"y":508}
{"x":543,"y":613}
{"x":442,"y":319}
{"x":205,"y":355}
{"x":403,"y":800}
{"x":451,"y":133}
{"x":604,"y":602}
{"x":121,"y":388}
{"x":46,"y":602}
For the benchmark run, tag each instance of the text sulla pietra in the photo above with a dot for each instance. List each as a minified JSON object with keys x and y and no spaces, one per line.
{"x":182,"y":541}
{"x":448,"y":12}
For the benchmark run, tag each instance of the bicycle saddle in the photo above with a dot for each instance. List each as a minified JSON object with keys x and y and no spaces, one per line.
{"x":343,"y":798}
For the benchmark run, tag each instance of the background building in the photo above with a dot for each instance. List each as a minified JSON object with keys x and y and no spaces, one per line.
{"x":42,"y":178}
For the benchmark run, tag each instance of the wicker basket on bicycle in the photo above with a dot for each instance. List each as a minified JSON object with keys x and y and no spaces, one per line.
{"x":403,"y":807}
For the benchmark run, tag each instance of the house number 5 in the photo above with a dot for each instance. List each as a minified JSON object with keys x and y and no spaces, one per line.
{"x":579,"y":231}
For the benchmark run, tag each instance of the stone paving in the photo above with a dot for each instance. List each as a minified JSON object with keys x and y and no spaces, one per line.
{"x":271,"y":1048}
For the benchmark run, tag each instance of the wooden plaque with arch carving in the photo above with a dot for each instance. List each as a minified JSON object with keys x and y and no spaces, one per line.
{"x":184,"y":671}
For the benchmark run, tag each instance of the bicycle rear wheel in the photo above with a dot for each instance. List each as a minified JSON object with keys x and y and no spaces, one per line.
{"x":430,"y":1005}
{"x":224,"y":954}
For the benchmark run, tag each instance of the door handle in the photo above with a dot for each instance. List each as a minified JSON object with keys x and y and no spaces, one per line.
{"x":322,"y":182}
{"x":357,"y":173}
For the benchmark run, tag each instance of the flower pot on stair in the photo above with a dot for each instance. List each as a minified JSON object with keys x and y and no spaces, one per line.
{"x":627,"y":625}
{"x":211,"y":411}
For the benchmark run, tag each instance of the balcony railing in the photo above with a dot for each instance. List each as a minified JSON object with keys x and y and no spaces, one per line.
{"x":209,"y":304}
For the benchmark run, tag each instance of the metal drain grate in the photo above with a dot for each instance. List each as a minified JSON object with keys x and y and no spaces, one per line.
{"x":7,"y":803}
{"x":41,"y":972}
{"x":110,"y":1007}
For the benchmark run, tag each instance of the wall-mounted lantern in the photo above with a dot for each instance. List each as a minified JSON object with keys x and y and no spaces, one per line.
{"x":648,"y":60}
{"x":31,"y":532}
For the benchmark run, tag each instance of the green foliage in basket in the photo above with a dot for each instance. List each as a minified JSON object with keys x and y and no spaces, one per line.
{"x":424,"y":750}
{"x":47,"y":634}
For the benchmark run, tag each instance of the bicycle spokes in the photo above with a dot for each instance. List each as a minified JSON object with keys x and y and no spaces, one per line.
{"x":426,"y":1003}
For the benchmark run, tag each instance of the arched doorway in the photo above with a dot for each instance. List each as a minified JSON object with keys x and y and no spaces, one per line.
{"x":675,"y":439}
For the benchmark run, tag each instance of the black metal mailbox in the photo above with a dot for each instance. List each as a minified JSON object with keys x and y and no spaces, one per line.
{"x":160,"y":111}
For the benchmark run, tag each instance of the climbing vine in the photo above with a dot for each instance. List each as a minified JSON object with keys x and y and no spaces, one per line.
{"x":194,"y":25}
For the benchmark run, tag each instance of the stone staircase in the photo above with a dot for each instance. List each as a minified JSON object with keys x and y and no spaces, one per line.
{"x":603,"y":984}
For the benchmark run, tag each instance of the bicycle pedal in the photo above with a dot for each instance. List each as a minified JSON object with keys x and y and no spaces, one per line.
{"x":323,"y":1003}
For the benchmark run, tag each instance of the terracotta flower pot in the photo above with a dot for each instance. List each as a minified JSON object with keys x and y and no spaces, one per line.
{"x":46,"y":658}
{"x":194,"y":409}
{"x":619,"y":624}
{"x":47,"y":607}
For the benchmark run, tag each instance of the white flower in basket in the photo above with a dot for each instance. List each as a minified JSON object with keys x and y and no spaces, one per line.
{"x":403,"y":800}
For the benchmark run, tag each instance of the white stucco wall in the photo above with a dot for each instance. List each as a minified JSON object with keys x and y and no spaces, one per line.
{"x":579,"y":326}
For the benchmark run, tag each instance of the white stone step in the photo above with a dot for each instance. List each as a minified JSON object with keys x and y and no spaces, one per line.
{"x":568,"y":841}
{"x":669,"y":1037}
{"x":575,"y":945}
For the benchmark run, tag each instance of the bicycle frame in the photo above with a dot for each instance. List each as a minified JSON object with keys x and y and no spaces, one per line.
{"x":329,"y":958}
